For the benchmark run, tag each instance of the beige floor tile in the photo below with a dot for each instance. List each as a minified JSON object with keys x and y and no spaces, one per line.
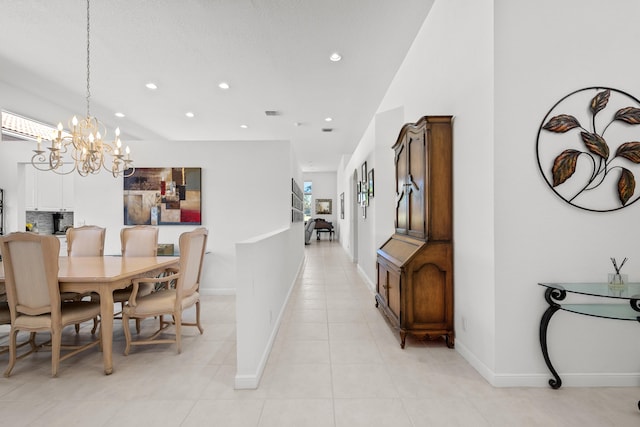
{"x":228,"y":413}
{"x":354,"y":351}
{"x":306,"y":381}
{"x":371,"y":412}
{"x":297,"y":413}
{"x":156,"y":413}
{"x":307,"y":331}
{"x":362,"y":381}
{"x":443,"y":412}
{"x":303,"y":351}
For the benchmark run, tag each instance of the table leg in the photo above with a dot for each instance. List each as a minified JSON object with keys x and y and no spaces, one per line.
{"x":635,"y":304}
{"x":106,"y":324}
{"x":557,"y":294}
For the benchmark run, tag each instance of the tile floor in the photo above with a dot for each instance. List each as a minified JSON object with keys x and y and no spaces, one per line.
{"x":335,"y":362}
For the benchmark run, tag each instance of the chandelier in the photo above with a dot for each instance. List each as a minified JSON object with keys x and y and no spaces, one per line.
{"x":85,"y":144}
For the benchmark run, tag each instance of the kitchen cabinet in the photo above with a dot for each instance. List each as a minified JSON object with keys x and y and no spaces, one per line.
{"x":48,"y":191}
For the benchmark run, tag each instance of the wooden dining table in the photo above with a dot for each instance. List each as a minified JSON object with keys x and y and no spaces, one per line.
{"x":103,"y":275}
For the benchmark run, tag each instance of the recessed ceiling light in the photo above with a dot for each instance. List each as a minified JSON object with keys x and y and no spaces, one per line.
{"x":328,"y":119}
{"x":189,"y":114}
{"x":335,"y":57}
{"x":151,"y":86}
{"x":244,"y":126}
{"x":223,"y":85}
{"x":119,"y":114}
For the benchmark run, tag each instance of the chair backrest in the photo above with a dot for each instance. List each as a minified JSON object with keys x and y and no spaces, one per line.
{"x":192,"y":247}
{"x":87,"y":240}
{"x":141,"y":240}
{"x":31,"y":273}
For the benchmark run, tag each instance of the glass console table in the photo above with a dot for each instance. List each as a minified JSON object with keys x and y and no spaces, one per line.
{"x":623,"y":303}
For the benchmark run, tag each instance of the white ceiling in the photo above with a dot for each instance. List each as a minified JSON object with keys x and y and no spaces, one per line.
{"x":273,"y":53}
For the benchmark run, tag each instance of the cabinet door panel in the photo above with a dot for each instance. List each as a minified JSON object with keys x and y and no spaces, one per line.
{"x":429,"y":290}
{"x":416,"y":161}
{"x":382,"y":282}
{"x":30,"y":188}
{"x":393,"y":282}
{"x":49,"y":191}
{"x":402,"y":224}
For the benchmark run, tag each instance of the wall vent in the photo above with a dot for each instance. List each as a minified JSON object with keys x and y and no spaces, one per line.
{"x":273,"y":113}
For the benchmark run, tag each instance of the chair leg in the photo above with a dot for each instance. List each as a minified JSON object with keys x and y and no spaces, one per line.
{"x":77,"y":328}
{"x":56,"y":343}
{"x":32,"y":341}
{"x":12,"y":352}
{"x":138,"y":321}
{"x":95,"y":325}
{"x":198,"y":318}
{"x":127,"y":333}
{"x":177,"y":320}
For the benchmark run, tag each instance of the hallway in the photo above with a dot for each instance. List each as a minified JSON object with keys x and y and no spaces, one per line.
{"x":335,"y":362}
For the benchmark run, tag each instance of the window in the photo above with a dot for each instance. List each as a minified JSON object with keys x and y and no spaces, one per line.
{"x":16,"y":127}
{"x":307,"y":189}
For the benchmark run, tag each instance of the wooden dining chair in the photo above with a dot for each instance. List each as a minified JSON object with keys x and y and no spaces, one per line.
{"x":87,"y":240}
{"x":33,"y":293}
{"x":5,"y":319}
{"x":170,"y":301}
{"x":137,"y":241}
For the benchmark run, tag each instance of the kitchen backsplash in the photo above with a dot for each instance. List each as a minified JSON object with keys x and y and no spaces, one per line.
{"x":44,"y":220}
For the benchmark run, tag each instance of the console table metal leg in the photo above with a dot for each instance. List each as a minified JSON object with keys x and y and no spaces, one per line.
{"x":557,"y":294}
{"x":635,"y":304}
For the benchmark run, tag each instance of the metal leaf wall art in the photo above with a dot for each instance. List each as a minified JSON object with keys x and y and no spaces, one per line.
{"x":589,"y":151}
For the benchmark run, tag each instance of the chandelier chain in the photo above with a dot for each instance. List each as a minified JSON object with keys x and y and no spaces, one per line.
{"x":83,"y":147}
{"x":88,"y":62}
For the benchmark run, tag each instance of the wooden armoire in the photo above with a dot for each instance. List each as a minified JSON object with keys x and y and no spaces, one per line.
{"x":415,"y":265}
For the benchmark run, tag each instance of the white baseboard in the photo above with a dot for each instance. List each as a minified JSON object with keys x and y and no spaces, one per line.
{"x":542,"y":380}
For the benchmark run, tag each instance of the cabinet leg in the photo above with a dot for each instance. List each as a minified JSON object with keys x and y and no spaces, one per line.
{"x":450,"y":340}
{"x":403,"y":337}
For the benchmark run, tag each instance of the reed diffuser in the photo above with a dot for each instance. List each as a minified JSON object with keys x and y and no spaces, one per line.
{"x":617,"y":278}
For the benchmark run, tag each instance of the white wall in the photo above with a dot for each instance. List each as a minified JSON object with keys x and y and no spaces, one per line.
{"x":543,"y":51}
{"x":241,"y":196}
{"x":265,"y":282}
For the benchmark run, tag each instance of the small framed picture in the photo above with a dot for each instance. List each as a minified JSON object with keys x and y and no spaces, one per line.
{"x":371,"y":192}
